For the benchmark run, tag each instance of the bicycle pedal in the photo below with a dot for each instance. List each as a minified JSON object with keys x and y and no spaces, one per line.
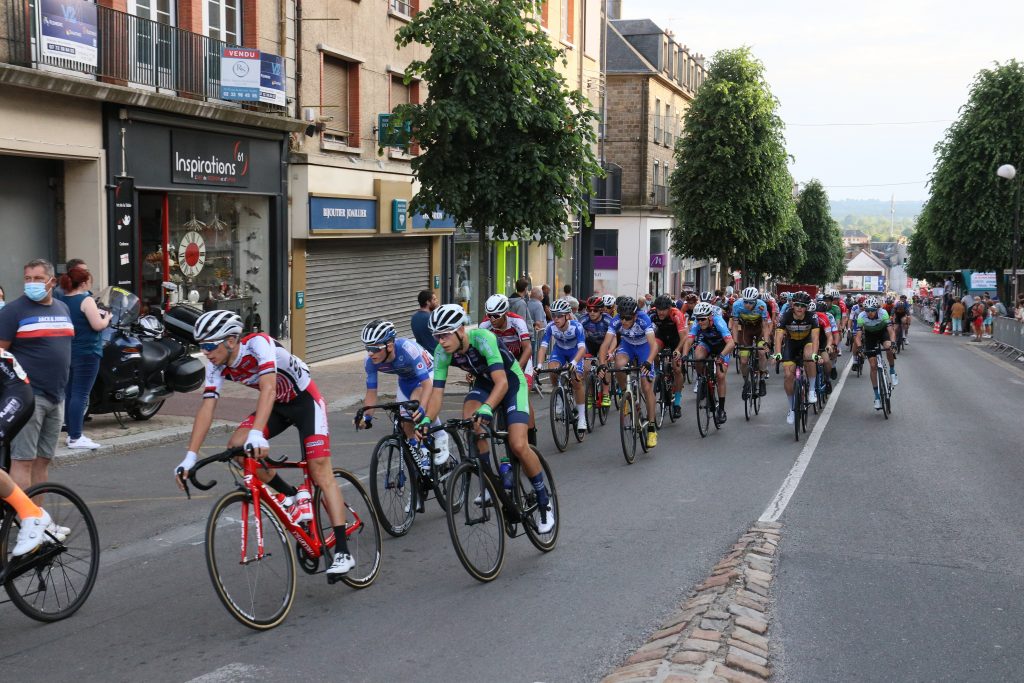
{"x":333,"y":579}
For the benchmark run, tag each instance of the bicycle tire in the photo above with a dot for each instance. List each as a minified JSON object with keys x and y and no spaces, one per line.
{"x":472,"y":519}
{"x":713,"y":406}
{"x":882,"y":392}
{"x":590,"y":400}
{"x":559,"y":418}
{"x":748,"y":403}
{"x":394,"y":485}
{"x":756,"y":402}
{"x":661,"y":403}
{"x":69,"y":566}
{"x":526,"y":498}
{"x":804,"y":412}
{"x":364,"y":540}
{"x":602,"y":409}
{"x":643,"y":421}
{"x":627,"y":428}
{"x":703,"y":416}
{"x":442,"y":472}
{"x":231,"y":516}
{"x":798,"y":407}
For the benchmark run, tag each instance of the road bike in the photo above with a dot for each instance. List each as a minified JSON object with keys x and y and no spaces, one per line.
{"x":663,"y":393}
{"x":707,"y":393}
{"x":491,"y":511}
{"x":53,"y":581}
{"x":633,"y":419}
{"x":899,"y":338}
{"x":884,"y":379}
{"x":563,"y":412}
{"x":596,"y":391}
{"x":403,"y":475}
{"x":752,"y":400}
{"x":800,"y":403}
{"x":248,"y":554}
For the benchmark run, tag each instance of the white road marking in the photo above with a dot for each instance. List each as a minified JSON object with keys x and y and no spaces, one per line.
{"x":232,"y":673}
{"x":792,"y":480}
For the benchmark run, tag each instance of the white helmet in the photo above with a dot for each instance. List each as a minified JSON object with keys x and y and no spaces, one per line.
{"x":811,"y":307}
{"x":750,"y":294}
{"x":871,"y":304}
{"x":378,"y":332}
{"x":561,"y":307}
{"x":608,"y":300}
{"x":703,"y":309}
{"x":496,"y":304}
{"x":447,"y":318}
{"x":216,"y":326}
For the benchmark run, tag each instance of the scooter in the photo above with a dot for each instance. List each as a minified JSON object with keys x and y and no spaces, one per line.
{"x":140,"y":365}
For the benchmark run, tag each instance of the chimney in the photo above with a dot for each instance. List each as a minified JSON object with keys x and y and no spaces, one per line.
{"x":613,"y":8}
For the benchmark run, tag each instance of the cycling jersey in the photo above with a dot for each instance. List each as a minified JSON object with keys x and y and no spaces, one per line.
{"x":515,"y":334}
{"x":17,"y":402}
{"x":635,"y":335}
{"x":411,"y":364}
{"x":854,"y":312}
{"x":899,"y":310}
{"x":595,"y":331}
{"x":873,"y":325}
{"x":714,"y":338}
{"x":670,"y":329}
{"x":258,"y":355}
{"x":569,"y":339}
{"x":485,"y":356}
{"x":837,"y":312}
{"x":798,"y":330}
{"x":750,"y":317}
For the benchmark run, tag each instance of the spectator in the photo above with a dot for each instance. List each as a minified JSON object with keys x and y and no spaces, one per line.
{"x":37,"y":329}
{"x":546,"y":300}
{"x":537,"y":318}
{"x":421,"y":320}
{"x":58,"y":291}
{"x":977,"y":314}
{"x":519,"y":303}
{"x":1019,"y":313}
{"x":86,"y":349}
{"x":957,"y":315}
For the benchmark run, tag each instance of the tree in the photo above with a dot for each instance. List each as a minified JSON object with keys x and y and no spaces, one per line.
{"x":506,"y":145}
{"x":824,"y":262}
{"x":731,"y":191}
{"x":922,"y":253}
{"x":970,"y":210}
{"x":784,"y":257}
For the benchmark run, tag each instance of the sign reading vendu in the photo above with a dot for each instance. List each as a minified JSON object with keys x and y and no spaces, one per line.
{"x":68,"y":30}
{"x":252,"y":76}
{"x":328,"y":214}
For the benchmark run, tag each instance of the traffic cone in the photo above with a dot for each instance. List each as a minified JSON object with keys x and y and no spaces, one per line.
{"x":935,"y":329}
{"x":949,"y":330}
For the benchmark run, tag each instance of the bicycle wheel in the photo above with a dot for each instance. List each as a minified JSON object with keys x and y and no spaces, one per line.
{"x":53,"y":582}
{"x":627,"y":428}
{"x":478,"y":529}
{"x":713,"y":405}
{"x":257,"y":590}
{"x":558,"y":413}
{"x":882,"y":390}
{"x":798,"y":407}
{"x":526,"y":501}
{"x":661,"y":403}
{"x":361,"y":529}
{"x":755,"y":400}
{"x":393,"y":486}
{"x":748,"y":404}
{"x":602,"y":409}
{"x":703,"y":415}
{"x":591,"y":401}
{"x":456,"y":454}
{"x":616,"y":394}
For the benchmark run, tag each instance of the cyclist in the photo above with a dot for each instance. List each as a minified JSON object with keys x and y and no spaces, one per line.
{"x":712,"y":299}
{"x":834,"y":305}
{"x":901,"y":317}
{"x":595,"y":324}
{"x":609,"y":301}
{"x":876,"y":329}
{"x":751,"y":325}
{"x":709,"y":335}
{"x":802,"y":332}
{"x":388,"y":353}
{"x":827,"y":325}
{"x":498,"y":384}
{"x":669,"y":332}
{"x":514,"y":334}
{"x":637,"y":347}
{"x":287,"y":396}
{"x":566,"y":335}
{"x":16,"y":405}
{"x":852,"y":325}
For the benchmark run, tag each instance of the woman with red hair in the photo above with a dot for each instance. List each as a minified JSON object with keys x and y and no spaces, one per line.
{"x":86,"y":349}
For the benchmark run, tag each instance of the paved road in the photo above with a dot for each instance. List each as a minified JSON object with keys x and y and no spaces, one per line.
{"x":634,"y":539}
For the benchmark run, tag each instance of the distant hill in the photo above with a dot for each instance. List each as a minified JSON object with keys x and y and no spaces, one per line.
{"x":841,"y":208}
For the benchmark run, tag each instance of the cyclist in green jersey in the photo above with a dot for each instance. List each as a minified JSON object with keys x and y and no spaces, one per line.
{"x":499,"y":384}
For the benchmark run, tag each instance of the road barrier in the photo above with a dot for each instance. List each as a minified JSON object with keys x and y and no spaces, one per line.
{"x":1008,"y":336}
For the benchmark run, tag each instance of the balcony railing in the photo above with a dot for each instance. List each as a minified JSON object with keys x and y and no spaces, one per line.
{"x":607,"y":195}
{"x":130,"y":50}
{"x":660,"y":195}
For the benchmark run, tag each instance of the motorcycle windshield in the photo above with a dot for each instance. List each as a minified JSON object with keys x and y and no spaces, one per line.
{"x":122,"y":304}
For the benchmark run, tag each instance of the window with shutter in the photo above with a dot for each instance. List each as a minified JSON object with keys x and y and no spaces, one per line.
{"x":334,"y":101}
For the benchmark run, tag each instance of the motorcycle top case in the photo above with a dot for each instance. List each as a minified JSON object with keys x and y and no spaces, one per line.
{"x":185,"y":374}
{"x":180,"y":322}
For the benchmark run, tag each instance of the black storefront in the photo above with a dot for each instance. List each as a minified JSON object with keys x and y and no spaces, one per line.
{"x":201,"y":204}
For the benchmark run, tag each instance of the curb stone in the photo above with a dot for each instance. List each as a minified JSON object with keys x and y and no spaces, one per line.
{"x":719,"y":634}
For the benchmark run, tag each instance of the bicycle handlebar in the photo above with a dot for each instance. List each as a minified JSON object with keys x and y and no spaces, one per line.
{"x":223,"y":456}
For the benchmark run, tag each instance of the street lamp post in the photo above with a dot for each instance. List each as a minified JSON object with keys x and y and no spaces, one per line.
{"x":1009,"y":172}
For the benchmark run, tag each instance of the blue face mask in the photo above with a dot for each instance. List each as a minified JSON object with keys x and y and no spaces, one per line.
{"x":35,"y":290}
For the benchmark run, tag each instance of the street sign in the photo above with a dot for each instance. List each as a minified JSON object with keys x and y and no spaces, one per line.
{"x":399,"y":215}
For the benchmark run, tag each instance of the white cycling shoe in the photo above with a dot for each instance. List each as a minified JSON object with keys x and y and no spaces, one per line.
{"x":790,"y":418}
{"x":32,"y":534}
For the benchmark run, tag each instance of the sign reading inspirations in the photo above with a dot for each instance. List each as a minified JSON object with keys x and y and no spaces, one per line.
{"x":208,"y":159}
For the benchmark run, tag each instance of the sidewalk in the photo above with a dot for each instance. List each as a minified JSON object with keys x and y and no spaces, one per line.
{"x":341,"y":381}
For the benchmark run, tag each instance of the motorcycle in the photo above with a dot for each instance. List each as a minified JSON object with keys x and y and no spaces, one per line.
{"x":140,"y":365}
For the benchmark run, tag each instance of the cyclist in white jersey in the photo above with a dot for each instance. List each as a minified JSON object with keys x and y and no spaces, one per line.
{"x":566,"y":336}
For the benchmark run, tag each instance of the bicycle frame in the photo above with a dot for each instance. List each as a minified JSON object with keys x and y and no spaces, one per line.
{"x":513,"y":515}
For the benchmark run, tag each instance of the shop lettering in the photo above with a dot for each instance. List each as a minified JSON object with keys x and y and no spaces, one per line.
{"x":330,"y":212}
{"x":198,"y":165}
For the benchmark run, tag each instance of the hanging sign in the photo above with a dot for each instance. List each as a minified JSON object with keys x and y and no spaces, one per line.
{"x":68,"y":31}
{"x":123,"y":218}
{"x":240,"y":74}
{"x":272,"y":79}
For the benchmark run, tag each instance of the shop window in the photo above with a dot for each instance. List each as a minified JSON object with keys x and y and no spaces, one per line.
{"x":339,"y":101}
{"x":466,"y":277}
{"x":223,"y":20}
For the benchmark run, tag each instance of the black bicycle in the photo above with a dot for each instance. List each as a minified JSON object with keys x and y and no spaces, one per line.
{"x":800,"y":403}
{"x":752,"y":398}
{"x":53,"y":581}
{"x":707,"y":393}
{"x":596,"y":394}
{"x":663,"y":394}
{"x":634,"y":422}
{"x":404,"y":471}
{"x":563,"y":411}
{"x":491,"y":510}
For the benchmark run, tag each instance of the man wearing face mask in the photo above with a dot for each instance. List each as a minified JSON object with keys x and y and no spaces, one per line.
{"x":37,"y":330}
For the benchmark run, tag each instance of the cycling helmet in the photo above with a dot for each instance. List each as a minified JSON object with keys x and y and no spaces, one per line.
{"x":627,"y":306}
{"x":447,"y":318}
{"x":787,"y":295}
{"x":820,"y":298}
{"x":378,"y":332}
{"x":703,"y":309}
{"x":496,"y":304}
{"x":801,"y":298}
{"x":561,"y":307}
{"x":217,"y":325}
{"x":707,"y":296}
{"x":750,"y":294}
{"x":609,"y":300}
{"x":662,"y":302}
{"x":595,"y":302}
{"x":812,"y":307}
{"x":861,"y":299}
{"x":871,"y":304}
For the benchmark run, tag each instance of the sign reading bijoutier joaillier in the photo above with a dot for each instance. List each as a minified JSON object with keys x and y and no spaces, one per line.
{"x":209,"y":159}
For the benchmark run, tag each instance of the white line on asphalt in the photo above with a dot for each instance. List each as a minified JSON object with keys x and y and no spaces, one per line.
{"x":792,"y":480}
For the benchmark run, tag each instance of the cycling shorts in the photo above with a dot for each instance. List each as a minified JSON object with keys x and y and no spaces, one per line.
{"x":564,"y":357}
{"x":748,"y":336}
{"x":635,"y":353}
{"x":793,"y":351}
{"x":307,"y":412}
{"x":17,"y":403}
{"x":594,"y":348}
{"x":515,"y":403}
{"x":872,"y":340}
{"x":716,"y":350}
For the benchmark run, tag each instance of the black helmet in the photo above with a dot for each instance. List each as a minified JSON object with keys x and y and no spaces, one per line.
{"x":663,"y":302}
{"x":627,"y":306}
{"x":801,"y":298}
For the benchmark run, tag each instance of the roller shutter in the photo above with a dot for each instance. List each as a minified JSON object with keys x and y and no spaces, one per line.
{"x":351,"y":282}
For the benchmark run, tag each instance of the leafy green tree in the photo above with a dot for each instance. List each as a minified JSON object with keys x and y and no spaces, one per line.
{"x":731,"y":191}
{"x":505,"y":144}
{"x":785,"y":256}
{"x":922,"y":253}
{"x":824,"y":262}
{"x":969,"y":220}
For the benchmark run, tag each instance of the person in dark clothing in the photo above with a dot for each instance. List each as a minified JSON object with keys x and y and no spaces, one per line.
{"x":421,"y":320}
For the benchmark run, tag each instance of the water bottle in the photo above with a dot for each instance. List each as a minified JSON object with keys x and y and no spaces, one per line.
{"x":505,"y":470}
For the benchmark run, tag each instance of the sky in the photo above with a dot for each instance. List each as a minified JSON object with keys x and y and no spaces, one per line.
{"x":862,"y":62}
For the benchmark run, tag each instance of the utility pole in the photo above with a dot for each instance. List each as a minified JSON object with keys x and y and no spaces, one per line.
{"x":892,"y":216}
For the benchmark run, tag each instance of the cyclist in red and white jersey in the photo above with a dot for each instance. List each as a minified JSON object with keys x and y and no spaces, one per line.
{"x":287,"y":396}
{"x":514,"y":334}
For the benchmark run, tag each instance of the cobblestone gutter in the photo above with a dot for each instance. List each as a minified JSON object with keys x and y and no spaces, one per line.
{"x":720,"y":633}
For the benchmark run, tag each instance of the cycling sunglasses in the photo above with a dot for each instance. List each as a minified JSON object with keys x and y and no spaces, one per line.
{"x":627,"y":318}
{"x":494,"y":316}
{"x":375,"y":349}
{"x":796,"y":305}
{"x":207,"y":347}
{"x":702,"y":318}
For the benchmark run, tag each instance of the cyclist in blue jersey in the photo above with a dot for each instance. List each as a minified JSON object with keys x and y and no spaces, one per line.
{"x":596,"y":322}
{"x":637,"y":347}
{"x":565,"y":337}
{"x":751,"y":326}
{"x":709,"y":336}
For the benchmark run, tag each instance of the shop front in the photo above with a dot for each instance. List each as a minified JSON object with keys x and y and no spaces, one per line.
{"x":199,"y":206}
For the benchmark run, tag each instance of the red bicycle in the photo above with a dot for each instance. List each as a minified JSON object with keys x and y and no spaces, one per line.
{"x":248,"y":553}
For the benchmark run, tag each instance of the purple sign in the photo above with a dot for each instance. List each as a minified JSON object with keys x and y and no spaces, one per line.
{"x":658,"y":260}
{"x":606,"y":262}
